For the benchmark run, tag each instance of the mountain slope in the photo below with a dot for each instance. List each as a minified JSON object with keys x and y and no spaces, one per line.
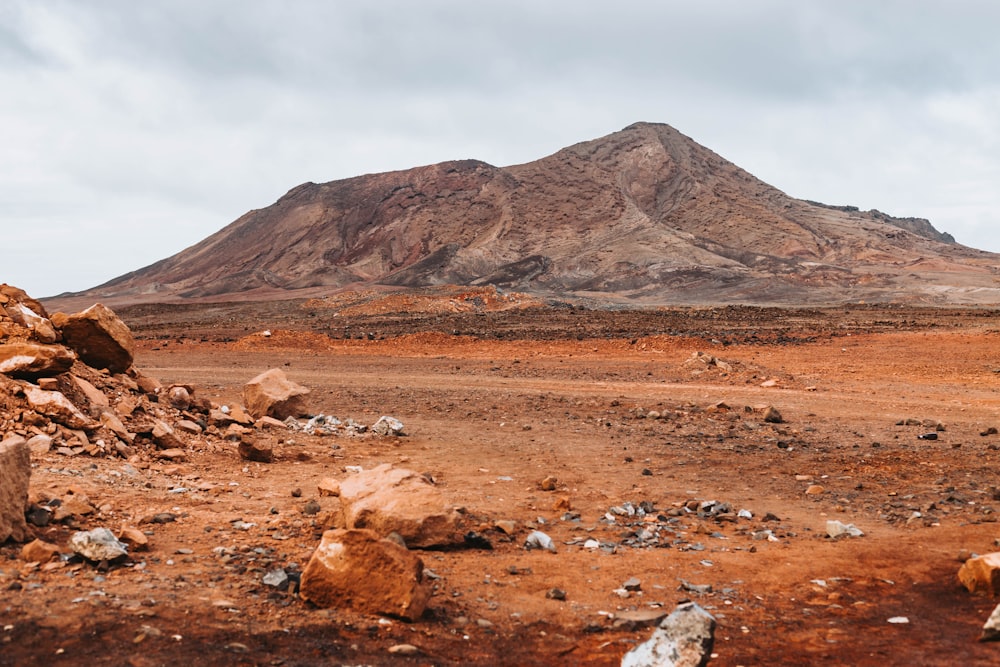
{"x":643,"y":215}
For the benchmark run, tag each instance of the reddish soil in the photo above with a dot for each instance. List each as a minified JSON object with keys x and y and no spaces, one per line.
{"x":511,"y":399}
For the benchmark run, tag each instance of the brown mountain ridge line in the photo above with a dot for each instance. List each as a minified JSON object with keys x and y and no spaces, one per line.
{"x":642,"y":216}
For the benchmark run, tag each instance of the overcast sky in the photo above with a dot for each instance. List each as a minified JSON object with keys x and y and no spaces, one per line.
{"x":133,"y":129}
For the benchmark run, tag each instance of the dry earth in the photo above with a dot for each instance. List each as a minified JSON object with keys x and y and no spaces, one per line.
{"x":495,"y":402}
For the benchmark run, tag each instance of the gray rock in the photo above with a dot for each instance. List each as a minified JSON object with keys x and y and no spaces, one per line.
{"x":387,"y":426}
{"x":97,"y":545}
{"x":991,"y":630}
{"x":837,"y":529}
{"x":276,"y":579}
{"x":539,"y":540}
{"x":683,"y":639}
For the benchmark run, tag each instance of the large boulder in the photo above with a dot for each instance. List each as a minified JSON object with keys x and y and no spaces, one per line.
{"x":397,"y":500}
{"x":356,"y":570}
{"x":272,"y":394}
{"x":15,"y":476}
{"x":99,"y":337}
{"x":30,"y":360}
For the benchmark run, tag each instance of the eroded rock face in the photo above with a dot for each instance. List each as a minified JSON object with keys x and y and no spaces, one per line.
{"x":396,"y":500}
{"x":30,"y":360}
{"x":355,"y":569}
{"x":272,"y":394}
{"x":15,"y":477}
{"x":99,"y":337}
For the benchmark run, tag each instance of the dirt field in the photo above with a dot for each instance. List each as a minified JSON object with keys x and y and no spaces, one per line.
{"x":495,"y":402}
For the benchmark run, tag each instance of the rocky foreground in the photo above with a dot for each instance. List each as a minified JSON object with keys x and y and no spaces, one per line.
{"x":106,"y":472}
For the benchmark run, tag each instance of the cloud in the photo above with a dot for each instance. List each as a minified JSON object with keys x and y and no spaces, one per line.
{"x":132,"y":130}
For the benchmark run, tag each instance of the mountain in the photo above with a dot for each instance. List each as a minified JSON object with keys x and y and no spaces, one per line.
{"x":645,"y":215}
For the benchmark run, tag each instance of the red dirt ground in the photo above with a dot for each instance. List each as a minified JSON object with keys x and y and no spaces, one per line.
{"x":491,"y":417}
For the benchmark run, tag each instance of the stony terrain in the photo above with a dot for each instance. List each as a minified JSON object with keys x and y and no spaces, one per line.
{"x":668,"y":454}
{"x":642,"y":216}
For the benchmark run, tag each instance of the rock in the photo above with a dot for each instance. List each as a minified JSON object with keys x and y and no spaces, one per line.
{"x":404,"y":649}
{"x":41,"y":328}
{"x":56,"y":407}
{"x":928,"y":436}
{"x":269,"y":423}
{"x":555,"y":594}
{"x":98,"y":337}
{"x":548,"y":484}
{"x":505,"y":526}
{"x":147,"y":385}
{"x":111,"y":422}
{"x":30,"y":360}
{"x":354,"y":569}
{"x":683,"y":639}
{"x":632,"y":584}
{"x":271,"y":394}
{"x":539,"y":540}
{"x":179,"y":397}
{"x":164,"y":436}
{"x":40,"y":444}
{"x":134,"y":538}
{"x":981,"y":574}
{"x":252,"y":450}
{"x":991,"y":629}
{"x":328,"y":486}
{"x":387,"y":426}
{"x":97,"y":545}
{"x":642,"y":618}
{"x":386,"y":499}
{"x":94,"y":396}
{"x":188,"y":426}
{"x":39,"y":551}
{"x":815,"y":490}
{"x":73,"y":506}
{"x":837,"y":529}
{"x":15,"y":477}
{"x":172,"y":454}
{"x":772,"y":416}
{"x":276,"y":579}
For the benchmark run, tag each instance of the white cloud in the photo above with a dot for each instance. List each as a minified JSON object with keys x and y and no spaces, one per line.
{"x":132,"y":130}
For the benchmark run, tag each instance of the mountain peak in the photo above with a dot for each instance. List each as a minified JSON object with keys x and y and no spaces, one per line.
{"x":644,"y":214}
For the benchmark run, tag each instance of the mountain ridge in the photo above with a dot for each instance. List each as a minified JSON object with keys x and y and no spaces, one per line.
{"x":645,"y":215}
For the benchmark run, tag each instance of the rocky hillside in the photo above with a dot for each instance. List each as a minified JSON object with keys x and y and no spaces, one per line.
{"x":644,"y":215}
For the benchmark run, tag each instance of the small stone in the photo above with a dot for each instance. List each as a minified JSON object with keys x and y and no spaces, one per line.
{"x":276,"y":579}
{"x":311,"y":508}
{"x":505,"y":526}
{"x":899,"y":620}
{"x":815,"y":490}
{"x":97,"y":545}
{"x":555,"y":594}
{"x":539,"y":540}
{"x":632,"y":584}
{"x":252,"y":450}
{"x":39,"y":551}
{"x":837,"y":529}
{"x":772,"y":416}
{"x":404,"y":649}
{"x":928,"y":436}
{"x":981,"y":574}
{"x":548,"y":484}
{"x":134,"y":537}
{"x":991,"y":430}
